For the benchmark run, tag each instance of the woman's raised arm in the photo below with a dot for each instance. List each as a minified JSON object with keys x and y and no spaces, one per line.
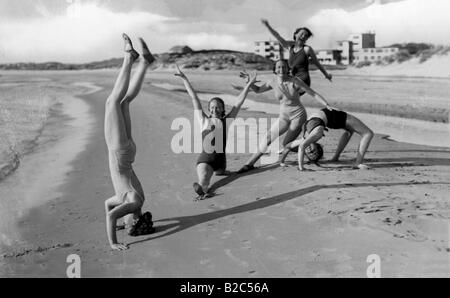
{"x":255,"y":88}
{"x":300,"y":84}
{"x":195,"y":100}
{"x":284,"y":43}
{"x":316,"y":62}
{"x":241,"y":98}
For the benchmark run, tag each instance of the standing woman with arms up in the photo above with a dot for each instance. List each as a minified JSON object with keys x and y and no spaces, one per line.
{"x":299,"y":53}
{"x":292,"y":115}
{"x":129,"y":195}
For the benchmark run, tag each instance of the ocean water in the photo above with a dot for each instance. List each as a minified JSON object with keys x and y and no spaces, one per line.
{"x":24,"y":109}
{"x":39,"y":120}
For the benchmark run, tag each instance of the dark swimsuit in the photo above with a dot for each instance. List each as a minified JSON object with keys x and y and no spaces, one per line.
{"x":217,"y":160}
{"x":299,"y":65}
{"x":335,"y":120}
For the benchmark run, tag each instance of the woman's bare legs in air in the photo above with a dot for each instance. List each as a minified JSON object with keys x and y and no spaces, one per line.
{"x":116,"y":136}
{"x":135,"y":84}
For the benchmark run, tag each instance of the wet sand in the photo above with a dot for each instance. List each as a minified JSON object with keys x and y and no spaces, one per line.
{"x":271,"y":222}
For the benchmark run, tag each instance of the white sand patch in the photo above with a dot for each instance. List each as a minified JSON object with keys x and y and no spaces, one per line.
{"x":437,"y":66}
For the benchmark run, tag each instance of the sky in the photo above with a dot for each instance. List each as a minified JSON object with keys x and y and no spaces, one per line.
{"x":89,"y":30}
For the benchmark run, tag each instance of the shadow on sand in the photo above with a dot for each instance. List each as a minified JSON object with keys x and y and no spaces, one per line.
{"x":342,"y":165}
{"x":169,"y":226}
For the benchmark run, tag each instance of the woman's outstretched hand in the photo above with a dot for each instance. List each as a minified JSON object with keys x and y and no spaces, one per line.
{"x":329,"y":77}
{"x":179,"y":73}
{"x":252,"y":79}
{"x":244,"y":74}
{"x":249,"y":78}
{"x":265,"y":22}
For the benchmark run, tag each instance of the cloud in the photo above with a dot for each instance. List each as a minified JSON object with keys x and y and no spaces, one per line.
{"x":206,"y":40}
{"x":85,"y":31}
{"x":89,"y":31}
{"x":405,"y":21}
{"x":53,"y":30}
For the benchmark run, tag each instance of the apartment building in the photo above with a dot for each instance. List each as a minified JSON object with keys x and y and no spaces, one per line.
{"x":271,"y":49}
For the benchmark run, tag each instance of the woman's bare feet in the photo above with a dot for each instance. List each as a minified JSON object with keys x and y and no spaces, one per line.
{"x":362,"y":166}
{"x":149,"y":58}
{"x":128,"y":47}
{"x":283,"y":156}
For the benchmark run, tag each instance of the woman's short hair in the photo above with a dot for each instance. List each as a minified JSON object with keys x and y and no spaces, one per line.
{"x":314,"y":152}
{"x":280,"y":60}
{"x":219,"y":100}
{"x":303,"y":28}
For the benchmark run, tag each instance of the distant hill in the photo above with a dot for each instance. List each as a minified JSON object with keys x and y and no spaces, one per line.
{"x":204,"y":59}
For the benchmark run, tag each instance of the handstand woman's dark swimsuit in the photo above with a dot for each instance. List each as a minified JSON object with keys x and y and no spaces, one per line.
{"x":335,"y":120}
{"x":299,"y":65}
{"x":217,"y":160}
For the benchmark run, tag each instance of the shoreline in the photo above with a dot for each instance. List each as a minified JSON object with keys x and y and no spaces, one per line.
{"x":272,"y":222}
{"x":45,"y":164}
{"x":56,"y":111}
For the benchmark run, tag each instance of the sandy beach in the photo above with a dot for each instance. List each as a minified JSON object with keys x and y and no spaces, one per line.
{"x":271,"y":222}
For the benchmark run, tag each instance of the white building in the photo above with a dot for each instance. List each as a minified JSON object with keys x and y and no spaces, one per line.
{"x":364,"y":48}
{"x":362,"y":40}
{"x":357,"y":48}
{"x":271,"y":49}
{"x":374,"y":54}
{"x":346,"y":48}
{"x":329,"y":57}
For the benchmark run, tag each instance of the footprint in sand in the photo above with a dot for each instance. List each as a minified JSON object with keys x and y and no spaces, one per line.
{"x":215,"y":207}
{"x":206,"y":263}
{"x":246,"y":244}
{"x":226,"y":234}
{"x":236,"y":259}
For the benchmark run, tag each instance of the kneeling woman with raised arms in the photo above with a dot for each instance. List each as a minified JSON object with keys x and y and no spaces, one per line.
{"x":212,"y":161}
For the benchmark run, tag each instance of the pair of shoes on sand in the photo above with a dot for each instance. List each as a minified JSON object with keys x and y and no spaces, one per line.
{"x":134,"y":55}
{"x":201,"y":193}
